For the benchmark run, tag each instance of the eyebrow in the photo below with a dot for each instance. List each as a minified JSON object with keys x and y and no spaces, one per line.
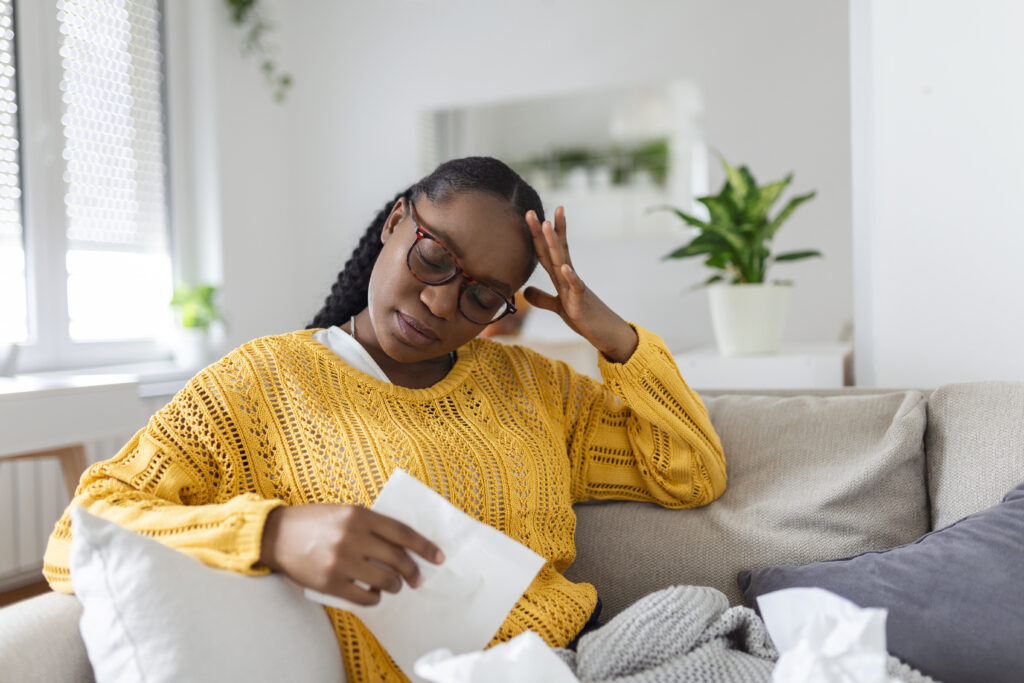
{"x":450,"y":243}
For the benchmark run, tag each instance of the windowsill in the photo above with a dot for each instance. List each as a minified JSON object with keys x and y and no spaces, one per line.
{"x":157,"y":378}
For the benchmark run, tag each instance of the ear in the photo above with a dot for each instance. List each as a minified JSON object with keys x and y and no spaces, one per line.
{"x":398,"y":212}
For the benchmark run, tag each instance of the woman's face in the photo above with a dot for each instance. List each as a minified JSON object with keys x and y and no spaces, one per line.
{"x":413,"y":321}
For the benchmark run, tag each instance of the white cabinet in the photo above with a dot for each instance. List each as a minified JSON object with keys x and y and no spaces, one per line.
{"x":796,"y":366}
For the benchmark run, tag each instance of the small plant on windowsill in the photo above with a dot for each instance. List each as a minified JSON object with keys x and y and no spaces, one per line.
{"x":197,"y":312}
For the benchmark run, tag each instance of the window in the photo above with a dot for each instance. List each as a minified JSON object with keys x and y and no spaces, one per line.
{"x":84,"y":246}
{"x":13,"y":323}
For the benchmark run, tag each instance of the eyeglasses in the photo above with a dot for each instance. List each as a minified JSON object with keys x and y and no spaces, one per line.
{"x":431,"y":263}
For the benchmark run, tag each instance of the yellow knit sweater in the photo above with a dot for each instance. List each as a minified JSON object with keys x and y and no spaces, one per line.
{"x":509,"y":436}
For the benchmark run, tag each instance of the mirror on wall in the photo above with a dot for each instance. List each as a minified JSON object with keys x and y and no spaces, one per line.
{"x":607,"y":155}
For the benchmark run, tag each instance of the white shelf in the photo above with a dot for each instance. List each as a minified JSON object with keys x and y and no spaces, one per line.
{"x":796,"y":366}
{"x":38,"y":413}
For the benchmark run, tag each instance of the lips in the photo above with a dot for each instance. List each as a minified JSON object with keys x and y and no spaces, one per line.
{"x":416,"y":331}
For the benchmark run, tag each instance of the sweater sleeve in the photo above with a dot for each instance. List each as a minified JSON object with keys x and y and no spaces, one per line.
{"x":185,"y":479}
{"x":643,"y":435}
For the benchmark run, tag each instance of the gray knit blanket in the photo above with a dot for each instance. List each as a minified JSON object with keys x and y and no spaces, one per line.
{"x":686,"y":633}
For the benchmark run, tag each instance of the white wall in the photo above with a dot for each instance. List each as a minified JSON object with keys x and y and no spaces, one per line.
{"x":775,"y":83}
{"x":231,"y":171}
{"x":299,"y":182}
{"x":938,"y":97}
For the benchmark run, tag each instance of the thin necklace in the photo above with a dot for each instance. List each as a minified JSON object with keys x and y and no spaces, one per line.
{"x":451,"y":354}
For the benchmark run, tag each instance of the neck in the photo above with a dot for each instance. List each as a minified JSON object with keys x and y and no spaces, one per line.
{"x":412,"y":375}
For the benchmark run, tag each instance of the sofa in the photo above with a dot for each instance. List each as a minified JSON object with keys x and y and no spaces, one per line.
{"x":814,"y":476}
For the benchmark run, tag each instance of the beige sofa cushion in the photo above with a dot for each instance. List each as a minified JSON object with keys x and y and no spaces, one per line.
{"x":975,"y":441}
{"x":810,"y":478}
{"x":40,"y":641}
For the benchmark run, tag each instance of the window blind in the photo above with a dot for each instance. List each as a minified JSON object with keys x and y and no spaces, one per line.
{"x":118,"y":261}
{"x":12,"y":254}
{"x":113,"y":125}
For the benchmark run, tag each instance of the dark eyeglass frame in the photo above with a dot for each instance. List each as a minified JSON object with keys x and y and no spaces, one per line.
{"x":467,"y":279}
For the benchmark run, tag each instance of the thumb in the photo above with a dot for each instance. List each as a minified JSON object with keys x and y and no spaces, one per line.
{"x":542,"y":299}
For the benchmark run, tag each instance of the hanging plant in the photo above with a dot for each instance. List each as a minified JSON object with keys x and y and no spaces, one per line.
{"x":248,"y":16}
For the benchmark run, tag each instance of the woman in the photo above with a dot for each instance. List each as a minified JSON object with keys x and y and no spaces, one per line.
{"x":269,"y":459}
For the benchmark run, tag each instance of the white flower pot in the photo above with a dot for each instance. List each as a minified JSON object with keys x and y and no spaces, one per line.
{"x":8,"y":359}
{"x":193,"y":348}
{"x":748,"y":319}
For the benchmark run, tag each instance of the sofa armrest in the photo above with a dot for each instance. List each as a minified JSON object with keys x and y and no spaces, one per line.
{"x":40,"y":640}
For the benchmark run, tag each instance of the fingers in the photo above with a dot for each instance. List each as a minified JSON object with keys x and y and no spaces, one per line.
{"x":560,"y":230}
{"x":555,"y":239}
{"x":554,"y":246}
{"x":378,"y":576}
{"x":378,"y":559}
{"x":385,"y":565}
{"x":345,"y":550}
{"x":354,"y":593}
{"x":550,"y":241}
{"x":539,"y":243}
{"x":574,"y":281}
{"x":392,"y":530}
{"x":542,"y":299}
{"x":394,"y":558}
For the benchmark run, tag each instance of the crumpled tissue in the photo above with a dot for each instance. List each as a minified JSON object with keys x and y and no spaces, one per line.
{"x":824,"y":638}
{"x":462,"y":602}
{"x":524,"y":658}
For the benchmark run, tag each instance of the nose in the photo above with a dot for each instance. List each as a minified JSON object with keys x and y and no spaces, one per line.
{"x":442,"y":300}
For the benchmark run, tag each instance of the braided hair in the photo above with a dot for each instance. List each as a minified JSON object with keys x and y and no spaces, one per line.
{"x":470,"y":174}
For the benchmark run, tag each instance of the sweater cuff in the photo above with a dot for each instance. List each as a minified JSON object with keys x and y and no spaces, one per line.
{"x":249,"y":540}
{"x":649,"y":349}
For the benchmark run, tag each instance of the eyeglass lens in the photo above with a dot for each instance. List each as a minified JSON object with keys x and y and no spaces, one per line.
{"x":432,"y":263}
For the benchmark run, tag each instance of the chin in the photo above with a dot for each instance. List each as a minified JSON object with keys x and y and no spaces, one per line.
{"x":394,"y":344}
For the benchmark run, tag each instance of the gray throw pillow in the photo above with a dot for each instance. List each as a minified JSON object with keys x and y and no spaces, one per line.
{"x":955,"y":596}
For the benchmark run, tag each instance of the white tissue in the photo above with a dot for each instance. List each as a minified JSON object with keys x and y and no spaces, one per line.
{"x":524,"y":658}
{"x":462,"y":602}
{"x":824,"y":638}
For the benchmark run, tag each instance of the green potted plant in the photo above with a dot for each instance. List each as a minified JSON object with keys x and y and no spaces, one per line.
{"x":196,"y":312}
{"x":747,"y":311}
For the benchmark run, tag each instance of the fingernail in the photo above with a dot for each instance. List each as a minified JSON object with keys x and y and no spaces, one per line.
{"x":438,"y":557}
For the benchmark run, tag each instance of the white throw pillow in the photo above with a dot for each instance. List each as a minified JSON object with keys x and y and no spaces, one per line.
{"x":154,"y":614}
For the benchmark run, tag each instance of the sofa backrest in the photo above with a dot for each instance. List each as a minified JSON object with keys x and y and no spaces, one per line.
{"x":973,"y":453}
{"x":812,"y":475}
{"x":975,"y":447}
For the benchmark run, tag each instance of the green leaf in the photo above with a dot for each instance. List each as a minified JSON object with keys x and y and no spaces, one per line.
{"x":691,"y":249}
{"x":796,"y":255}
{"x":749,"y":178}
{"x":766,"y":196}
{"x":687,"y":218}
{"x":720,"y":210}
{"x":786,"y":212}
{"x":195,"y":305}
{"x":738,"y":181}
{"x":736,"y":244}
{"x":718,"y":260}
{"x":710,"y":281}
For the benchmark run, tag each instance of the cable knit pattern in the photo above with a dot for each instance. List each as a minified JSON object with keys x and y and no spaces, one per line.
{"x":509,"y":436}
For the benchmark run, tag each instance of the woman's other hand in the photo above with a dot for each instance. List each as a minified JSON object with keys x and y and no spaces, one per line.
{"x":576,"y":303}
{"x":329,"y":547}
